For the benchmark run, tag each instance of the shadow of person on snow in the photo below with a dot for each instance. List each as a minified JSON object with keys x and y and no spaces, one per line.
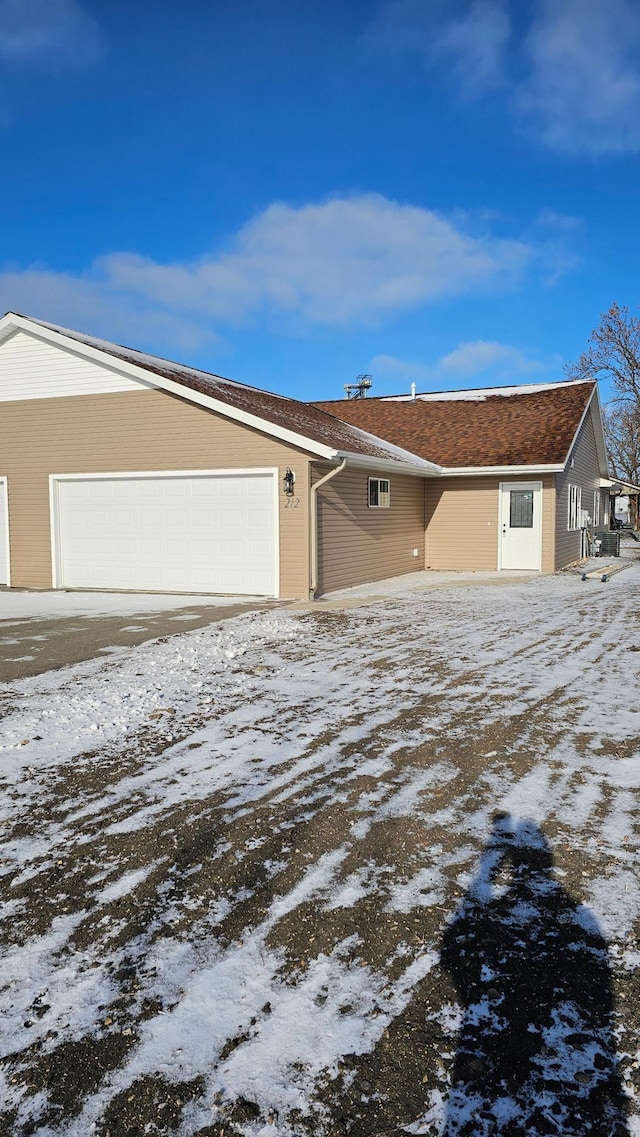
{"x":536,"y":1051}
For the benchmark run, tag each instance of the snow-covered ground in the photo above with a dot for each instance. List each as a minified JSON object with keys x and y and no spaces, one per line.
{"x":18,"y":605}
{"x":364,"y":871}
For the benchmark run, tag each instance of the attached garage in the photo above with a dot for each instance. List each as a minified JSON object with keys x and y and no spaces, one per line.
{"x":192,"y":531}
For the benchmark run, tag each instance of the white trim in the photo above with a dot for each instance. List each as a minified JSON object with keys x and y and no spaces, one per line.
{"x":537,"y":488}
{"x":574,"y":508}
{"x":54,"y":504}
{"x":380,"y":493}
{"x":54,"y":525}
{"x":275,"y":473}
{"x":4,"y":490}
{"x":507,"y":471}
{"x":231,"y":471}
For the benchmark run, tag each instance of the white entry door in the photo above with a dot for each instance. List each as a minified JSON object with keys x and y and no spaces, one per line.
{"x":521,"y":525}
{"x":187,"y":532}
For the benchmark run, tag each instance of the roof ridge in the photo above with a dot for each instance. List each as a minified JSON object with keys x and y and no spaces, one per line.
{"x":465,"y":392}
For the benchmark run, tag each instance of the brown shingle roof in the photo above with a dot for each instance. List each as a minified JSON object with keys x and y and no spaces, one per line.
{"x":517,"y":428}
{"x":305,"y":419}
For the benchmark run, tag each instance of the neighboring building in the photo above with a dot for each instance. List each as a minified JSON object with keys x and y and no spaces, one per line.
{"x":120,"y":470}
{"x":624,"y":498}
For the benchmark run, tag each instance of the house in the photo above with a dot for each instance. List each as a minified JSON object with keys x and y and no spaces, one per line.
{"x":522,"y":471}
{"x":121,"y":470}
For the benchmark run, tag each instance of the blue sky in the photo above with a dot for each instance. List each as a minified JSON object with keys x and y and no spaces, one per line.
{"x":291,"y":192}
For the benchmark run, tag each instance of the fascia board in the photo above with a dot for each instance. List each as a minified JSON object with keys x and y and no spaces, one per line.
{"x":508,"y":471}
{"x":619,"y":485}
{"x":597,"y":430}
{"x":371,"y":462}
{"x":134,"y":371}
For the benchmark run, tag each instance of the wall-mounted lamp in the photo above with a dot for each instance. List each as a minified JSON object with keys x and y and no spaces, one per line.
{"x":288,"y":482}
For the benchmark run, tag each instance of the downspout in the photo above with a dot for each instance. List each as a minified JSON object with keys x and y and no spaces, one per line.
{"x":313,"y":523}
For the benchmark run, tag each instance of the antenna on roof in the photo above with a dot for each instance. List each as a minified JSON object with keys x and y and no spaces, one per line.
{"x":358,"y":390}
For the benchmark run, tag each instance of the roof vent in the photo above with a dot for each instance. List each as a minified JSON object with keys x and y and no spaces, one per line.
{"x":413,"y":392}
{"x":358,"y":390}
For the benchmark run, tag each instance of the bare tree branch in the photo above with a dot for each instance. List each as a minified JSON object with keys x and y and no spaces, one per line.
{"x":614,"y":354}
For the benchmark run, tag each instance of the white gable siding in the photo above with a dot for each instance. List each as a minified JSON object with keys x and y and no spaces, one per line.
{"x":31,"y":368}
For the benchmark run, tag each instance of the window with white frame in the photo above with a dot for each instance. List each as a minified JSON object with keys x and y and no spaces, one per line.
{"x":596,"y":508}
{"x":379,"y":493}
{"x":575,"y":507}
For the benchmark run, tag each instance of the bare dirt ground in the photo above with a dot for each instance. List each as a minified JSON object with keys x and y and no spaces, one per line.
{"x":369,"y":871}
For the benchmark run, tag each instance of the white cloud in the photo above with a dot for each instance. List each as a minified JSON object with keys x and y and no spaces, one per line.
{"x":347,"y":261}
{"x":390,"y":367}
{"x":467,"y":39}
{"x":475,"y":45}
{"x":559,"y":222}
{"x":51,"y":33}
{"x":569,"y":70}
{"x":583,"y":91}
{"x":353,"y":259}
{"x":479,"y":356}
{"x":486,"y":360}
{"x":85,"y":304}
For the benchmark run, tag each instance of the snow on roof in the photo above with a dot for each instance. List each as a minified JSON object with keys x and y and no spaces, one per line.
{"x":310,"y":423}
{"x":479,"y":394}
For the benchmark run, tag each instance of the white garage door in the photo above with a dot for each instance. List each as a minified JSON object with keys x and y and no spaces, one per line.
{"x":183,"y":533}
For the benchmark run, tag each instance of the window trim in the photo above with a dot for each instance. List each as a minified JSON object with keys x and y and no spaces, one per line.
{"x":574,"y":513}
{"x":379,"y":493}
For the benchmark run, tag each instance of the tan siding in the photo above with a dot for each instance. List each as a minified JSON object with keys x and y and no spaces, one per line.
{"x":357,"y":544}
{"x":586,"y":474}
{"x":548,"y":523}
{"x":462,"y":522}
{"x":147,"y":430}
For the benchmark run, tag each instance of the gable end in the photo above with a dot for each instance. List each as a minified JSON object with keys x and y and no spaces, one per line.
{"x":32,"y":368}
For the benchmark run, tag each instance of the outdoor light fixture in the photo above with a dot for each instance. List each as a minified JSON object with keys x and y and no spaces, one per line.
{"x":289,"y":481}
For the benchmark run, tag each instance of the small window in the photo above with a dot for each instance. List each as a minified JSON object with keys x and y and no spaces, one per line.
{"x":379,"y":493}
{"x":575,"y":507}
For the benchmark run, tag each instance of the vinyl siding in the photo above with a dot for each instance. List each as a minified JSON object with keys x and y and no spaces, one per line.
{"x":462,"y":522}
{"x":33,"y":368}
{"x":140,"y":430}
{"x":586,"y":474}
{"x":357,"y":544}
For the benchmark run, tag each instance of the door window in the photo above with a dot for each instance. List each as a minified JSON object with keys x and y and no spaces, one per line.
{"x":521,"y":509}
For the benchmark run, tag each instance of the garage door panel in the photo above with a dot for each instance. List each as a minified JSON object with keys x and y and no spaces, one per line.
{"x":213,"y":533}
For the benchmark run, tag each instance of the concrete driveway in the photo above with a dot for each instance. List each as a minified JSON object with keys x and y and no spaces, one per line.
{"x":41,"y":631}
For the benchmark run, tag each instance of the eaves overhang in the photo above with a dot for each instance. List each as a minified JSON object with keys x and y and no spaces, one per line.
{"x":419,"y":469}
{"x":506,"y":471}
